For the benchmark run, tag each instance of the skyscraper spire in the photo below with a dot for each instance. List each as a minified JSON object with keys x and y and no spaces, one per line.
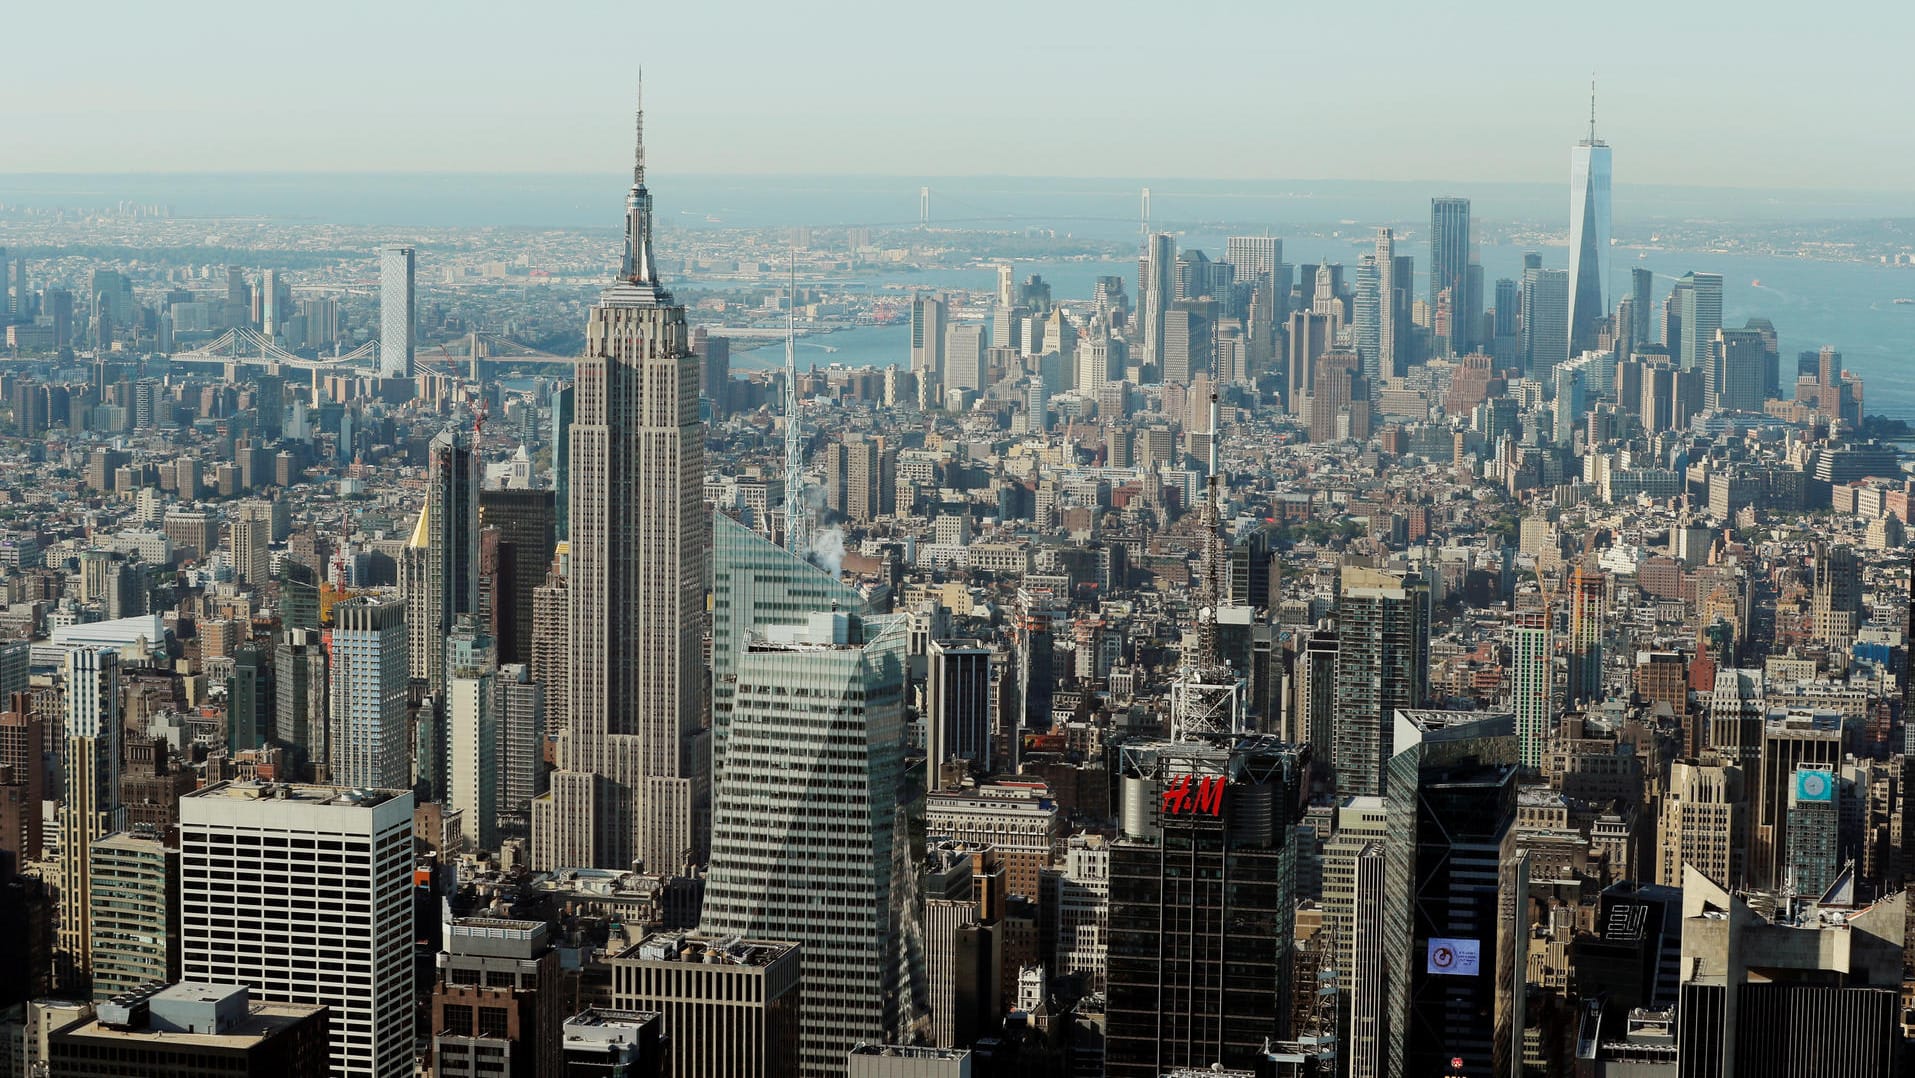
{"x":638,"y":268}
{"x":638,"y":154}
{"x":1592,"y":110}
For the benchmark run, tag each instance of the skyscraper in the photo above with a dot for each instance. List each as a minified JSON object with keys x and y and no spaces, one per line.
{"x":1532,"y":687}
{"x":1838,"y":602}
{"x":369,"y":739}
{"x":1387,"y":287}
{"x":1449,"y":266}
{"x":1202,"y":904}
{"x":334,"y":925}
{"x":90,"y":806}
{"x":631,"y":777}
{"x":396,"y":311}
{"x":1156,"y":288}
{"x":1382,"y":664}
{"x":441,"y":573}
{"x":958,"y":719}
{"x":1545,"y":321}
{"x":1368,"y":322}
{"x":135,"y":900}
{"x":928,"y":317}
{"x":1253,"y":256}
{"x":1588,"y":236}
{"x":1700,"y":298}
{"x":810,"y":840}
{"x":757,"y":584}
{"x":1454,"y":896}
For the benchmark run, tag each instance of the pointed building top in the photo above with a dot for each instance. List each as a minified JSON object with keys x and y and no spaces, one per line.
{"x":638,"y":153}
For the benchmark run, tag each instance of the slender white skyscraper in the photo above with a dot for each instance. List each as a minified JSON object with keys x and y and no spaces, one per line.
{"x":395,"y":311}
{"x":1588,"y":235}
{"x":91,"y":807}
{"x":370,"y":740}
{"x":1156,"y":286}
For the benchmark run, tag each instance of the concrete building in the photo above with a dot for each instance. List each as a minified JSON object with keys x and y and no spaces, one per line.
{"x":134,"y":904}
{"x":334,"y":928}
{"x":603,"y":1043}
{"x":193,"y":1030}
{"x":905,"y":1061}
{"x":90,"y":806}
{"x":369,"y":741}
{"x":497,"y":1009}
{"x":728,"y":1007}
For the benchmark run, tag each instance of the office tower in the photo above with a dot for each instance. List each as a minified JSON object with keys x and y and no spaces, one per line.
{"x":335,"y":926}
{"x":1588,"y":596}
{"x":249,"y":702}
{"x":134,"y":900}
{"x":526,"y":526}
{"x":1382,"y":665}
{"x":1545,"y":321}
{"x":1077,"y":901}
{"x":1253,"y":256}
{"x":24,"y":754}
{"x":1356,"y":824}
{"x":714,"y":369}
{"x":191,"y":1030}
{"x":1310,"y":335}
{"x":1313,"y":695}
{"x":1450,"y":243}
{"x":600,"y":1043}
{"x":1368,"y":319}
{"x":472,"y":734}
{"x":1455,"y":894}
{"x":1703,"y":824}
{"x":1018,"y":819}
{"x":248,"y":545}
{"x":928,"y":323}
{"x":1837,"y":605}
{"x":756,"y":585}
{"x":964,"y":367}
{"x":90,"y":799}
{"x":1814,"y":825}
{"x":859,"y":473}
{"x":1768,"y":995}
{"x":301,"y":687}
{"x":564,"y":407}
{"x":1588,"y":237}
{"x":369,"y":739}
{"x":1642,"y":306}
{"x":1788,"y":744}
{"x":1735,"y":375}
{"x":794,"y":786}
{"x":522,"y":725}
{"x":1368,"y":978}
{"x":1388,"y":302}
{"x":1532,"y":687}
{"x":957,"y":729}
{"x":1156,"y":289}
{"x":631,"y":778}
{"x":1207,"y":842}
{"x":964,"y":941}
{"x":498,"y":1004}
{"x":728,"y":1007}
{"x":1100,"y":359}
{"x":397,"y":318}
{"x":1700,"y":298}
{"x":441,"y":571}
{"x":1189,"y":342}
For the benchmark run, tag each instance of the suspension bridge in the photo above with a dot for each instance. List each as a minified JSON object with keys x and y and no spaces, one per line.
{"x":249,"y":347}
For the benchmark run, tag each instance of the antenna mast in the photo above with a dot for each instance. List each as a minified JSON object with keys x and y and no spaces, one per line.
{"x":797,"y":508}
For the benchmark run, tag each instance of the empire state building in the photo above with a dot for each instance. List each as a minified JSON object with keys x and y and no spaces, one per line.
{"x":631,"y":784}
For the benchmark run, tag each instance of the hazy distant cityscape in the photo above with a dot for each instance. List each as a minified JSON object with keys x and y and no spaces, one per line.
{"x":783,"y":626}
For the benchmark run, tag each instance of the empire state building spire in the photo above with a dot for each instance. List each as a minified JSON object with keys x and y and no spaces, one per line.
{"x":639,"y":268}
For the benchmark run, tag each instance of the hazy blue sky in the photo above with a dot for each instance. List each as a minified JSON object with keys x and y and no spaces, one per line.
{"x":1691,"y":92}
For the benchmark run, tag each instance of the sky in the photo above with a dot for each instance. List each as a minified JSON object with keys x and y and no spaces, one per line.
{"x":1694,"y":92}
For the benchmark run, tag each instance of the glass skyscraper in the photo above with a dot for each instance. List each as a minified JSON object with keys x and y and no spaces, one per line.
{"x":1588,"y":237}
{"x":810,"y":842}
{"x":395,"y":311}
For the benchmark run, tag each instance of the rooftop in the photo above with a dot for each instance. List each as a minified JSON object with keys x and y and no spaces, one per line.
{"x":692,"y":947}
{"x":236,"y":790}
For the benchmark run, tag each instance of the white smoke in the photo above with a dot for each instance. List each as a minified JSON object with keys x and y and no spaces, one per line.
{"x":827,"y":549}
